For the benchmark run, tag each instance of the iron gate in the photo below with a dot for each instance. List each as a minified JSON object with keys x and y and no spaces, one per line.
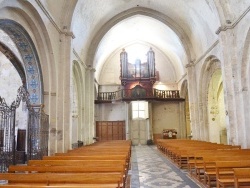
{"x":37,"y":128}
{"x":7,"y":134}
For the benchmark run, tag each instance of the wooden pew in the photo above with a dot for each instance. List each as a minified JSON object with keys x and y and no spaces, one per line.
{"x":86,"y":157}
{"x":210,"y":167}
{"x":83,"y":161}
{"x":88,"y":164}
{"x":241,"y":177}
{"x":197,"y":162}
{"x":225,"y":172}
{"x":64,"y":169}
{"x":95,"y":153}
{"x":184,"y":154}
{"x":100,"y":163}
{"x":50,"y":179}
{"x":36,"y":185}
{"x":179,"y":151}
{"x":89,"y":157}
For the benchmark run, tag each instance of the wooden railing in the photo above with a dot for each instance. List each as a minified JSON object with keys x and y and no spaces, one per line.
{"x":128,"y":94}
{"x":165,"y":94}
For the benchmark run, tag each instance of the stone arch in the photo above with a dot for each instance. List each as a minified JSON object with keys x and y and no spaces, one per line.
{"x":15,"y":61}
{"x":146,"y":12}
{"x":211,"y":64}
{"x":30,"y":58}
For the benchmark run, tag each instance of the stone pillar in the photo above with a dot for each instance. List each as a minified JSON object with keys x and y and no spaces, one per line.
{"x":89,"y":106}
{"x":204,"y":121}
{"x":127,"y":128}
{"x":193,"y":101}
{"x":53,"y":120}
{"x":182,"y":134}
{"x":63,"y":114}
{"x":232,"y":89}
{"x":203,"y":125}
{"x":150,"y":115}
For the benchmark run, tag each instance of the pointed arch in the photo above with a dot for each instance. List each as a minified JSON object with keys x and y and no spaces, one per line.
{"x":30,"y":58}
{"x":146,"y":12}
{"x":210,"y":65}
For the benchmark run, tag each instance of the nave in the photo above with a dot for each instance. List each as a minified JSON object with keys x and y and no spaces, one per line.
{"x":150,"y":169}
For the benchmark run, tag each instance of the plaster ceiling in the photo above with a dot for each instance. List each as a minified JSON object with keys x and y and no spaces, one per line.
{"x":140,"y":31}
{"x":182,"y":30}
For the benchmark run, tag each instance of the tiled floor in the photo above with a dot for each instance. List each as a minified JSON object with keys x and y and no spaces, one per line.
{"x":150,"y":169}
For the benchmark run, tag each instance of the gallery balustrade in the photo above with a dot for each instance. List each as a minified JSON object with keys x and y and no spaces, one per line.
{"x":137,"y":94}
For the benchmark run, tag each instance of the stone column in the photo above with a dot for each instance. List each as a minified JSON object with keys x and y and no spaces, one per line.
{"x":204,"y":121}
{"x":64,"y":71}
{"x":89,"y":106}
{"x":150,"y":115}
{"x":193,"y":101}
{"x":234,"y":105}
{"x":203,"y":126}
{"x":182,"y":134}
{"x":127,"y":128}
{"x":53,"y":120}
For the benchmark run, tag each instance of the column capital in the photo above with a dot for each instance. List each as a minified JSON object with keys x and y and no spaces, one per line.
{"x":91,"y":69}
{"x":190,"y":64}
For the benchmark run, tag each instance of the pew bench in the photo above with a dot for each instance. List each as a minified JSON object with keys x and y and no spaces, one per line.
{"x":197,"y":164}
{"x":225,"y":171}
{"x":241,"y":177}
{"x":37,"y":185}
{"x":64,"y":169}
{"x":100,"y":163}
{"x":93,"y":157}
{"x":49,"y":179}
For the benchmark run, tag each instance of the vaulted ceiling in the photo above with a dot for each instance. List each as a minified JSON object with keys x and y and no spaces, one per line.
{"x":180,"y":30}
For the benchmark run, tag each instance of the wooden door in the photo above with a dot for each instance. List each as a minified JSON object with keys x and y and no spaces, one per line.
{"x":110,"y":130}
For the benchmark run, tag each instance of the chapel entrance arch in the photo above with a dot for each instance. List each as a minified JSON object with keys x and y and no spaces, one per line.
{"x":30,"y":93}
{"x":216,"y":109}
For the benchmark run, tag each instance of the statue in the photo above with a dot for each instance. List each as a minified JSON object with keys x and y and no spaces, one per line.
{"x":151,"y":62}
{"x":124,"y":63}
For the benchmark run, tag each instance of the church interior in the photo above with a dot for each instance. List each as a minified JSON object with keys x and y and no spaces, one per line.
{"x":141,"y":73}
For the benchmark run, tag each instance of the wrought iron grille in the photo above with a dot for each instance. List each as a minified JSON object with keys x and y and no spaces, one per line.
{"x":7,"y":135}
{"x":38,"y":133}
{"x":38,"y":130}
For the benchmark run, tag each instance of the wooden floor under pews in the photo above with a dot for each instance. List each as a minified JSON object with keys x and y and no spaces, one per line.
{"x":209,"y":164}
{"x":100,"y":165}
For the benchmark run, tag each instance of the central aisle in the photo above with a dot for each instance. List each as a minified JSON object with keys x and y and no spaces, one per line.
{"x":150,"y":169}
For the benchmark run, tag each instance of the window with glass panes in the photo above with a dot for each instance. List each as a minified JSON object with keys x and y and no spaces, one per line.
{"x":139,"y":110}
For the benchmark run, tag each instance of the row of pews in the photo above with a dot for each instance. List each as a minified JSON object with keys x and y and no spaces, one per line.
{"x":100,"y":165}
{"x":211,"y":164}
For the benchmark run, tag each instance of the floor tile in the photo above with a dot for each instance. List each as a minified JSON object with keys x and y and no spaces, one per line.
{"x":150,"y":169}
